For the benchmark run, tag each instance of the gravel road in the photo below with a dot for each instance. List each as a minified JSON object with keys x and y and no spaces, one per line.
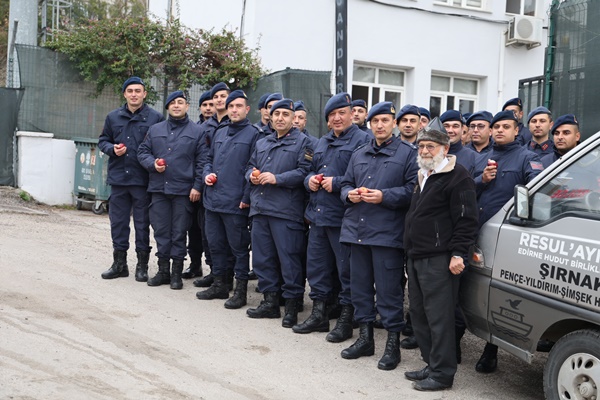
{"x":67,"y":334}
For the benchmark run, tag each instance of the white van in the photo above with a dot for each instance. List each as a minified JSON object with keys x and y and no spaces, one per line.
{"x":535,"y":274}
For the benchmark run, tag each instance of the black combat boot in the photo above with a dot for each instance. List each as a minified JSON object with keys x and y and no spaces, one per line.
{"x":141,"y":268}
{"x":268,"y":308}
{"x":118,"y":269}
{"x":488,"y":362}
{"x":391,"y":355}
{"x":292,"y":306}
{"x":240,"y":295}
{"x":193,"y":271}
{"x":364,"y":345}
{"x":217,"y":290}
{"x":163,"y":276}
{"x":176,"y":269}
{"x":334,"y":308}
{"x":205,"y":281}
{"x":343,"y":327}
{"x":317,"y":321}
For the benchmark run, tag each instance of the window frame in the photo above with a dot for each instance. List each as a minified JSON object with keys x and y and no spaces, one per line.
{"x":382,"y":88}
{"x":457,"y":96}
{"x":463,"y":5}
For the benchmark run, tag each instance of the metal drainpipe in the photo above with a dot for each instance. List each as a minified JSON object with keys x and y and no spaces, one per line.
{"x":550,"y":49}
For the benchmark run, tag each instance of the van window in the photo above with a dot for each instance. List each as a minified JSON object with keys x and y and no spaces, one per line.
{"x":575,"y":189}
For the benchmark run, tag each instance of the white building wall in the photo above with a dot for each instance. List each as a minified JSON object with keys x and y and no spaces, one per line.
{"x":301,"y":34}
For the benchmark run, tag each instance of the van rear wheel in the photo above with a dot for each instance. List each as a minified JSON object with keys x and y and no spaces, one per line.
{"x":573,"y":367}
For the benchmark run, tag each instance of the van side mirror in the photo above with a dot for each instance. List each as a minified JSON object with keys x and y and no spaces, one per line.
{"x":522,"y":201}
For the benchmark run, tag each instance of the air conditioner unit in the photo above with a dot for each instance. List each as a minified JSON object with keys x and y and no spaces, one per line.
{"x":525,"y":30}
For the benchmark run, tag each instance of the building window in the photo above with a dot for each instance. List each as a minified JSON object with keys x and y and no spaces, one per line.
{"x":452,"y":93}
{"x":377,"y":84}
{"x":521,"y":7}
{"x":472,"y":4}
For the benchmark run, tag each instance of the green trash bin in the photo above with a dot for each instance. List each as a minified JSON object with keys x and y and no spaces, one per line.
{"x":89,"y":185}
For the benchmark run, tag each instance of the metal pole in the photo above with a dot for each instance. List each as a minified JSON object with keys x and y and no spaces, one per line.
{"x":11,"y":57}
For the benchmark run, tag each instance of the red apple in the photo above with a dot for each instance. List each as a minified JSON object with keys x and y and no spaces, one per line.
{"x":161,"y":162}
{"x":319,"y":178}
{"x":255,"y":173}
{"x":120,"y":145}
{"x":362,"y":190}
{"x":212,"y":179}
{"x":492,"y":163}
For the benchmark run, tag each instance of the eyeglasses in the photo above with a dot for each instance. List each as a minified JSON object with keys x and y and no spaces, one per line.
{"x":477,"y":126}
{"x":429,"y":147}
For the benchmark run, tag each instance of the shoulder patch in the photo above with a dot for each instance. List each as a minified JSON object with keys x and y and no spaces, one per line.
{"x":308,"y":154}
{"x":536,"y":165}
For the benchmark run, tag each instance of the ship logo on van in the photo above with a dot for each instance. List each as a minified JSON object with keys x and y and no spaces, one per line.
{"x":511,"y":322}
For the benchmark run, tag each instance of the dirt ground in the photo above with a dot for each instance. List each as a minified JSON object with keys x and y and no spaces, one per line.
{"x":65,"y":333}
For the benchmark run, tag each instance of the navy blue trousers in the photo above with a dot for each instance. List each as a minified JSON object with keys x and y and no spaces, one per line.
{"x":277,"y":247}
{"x":324,"y":253}
{"x":382,"y":268}
{"x":433,"y":293}
{"x":122,"y":203}
{"x":171,"y":217}
{"x":228,"y":233}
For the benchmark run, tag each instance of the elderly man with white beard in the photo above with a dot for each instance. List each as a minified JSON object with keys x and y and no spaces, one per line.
{"x":441,"y":224}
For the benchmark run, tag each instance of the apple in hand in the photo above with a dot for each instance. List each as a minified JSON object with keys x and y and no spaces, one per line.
{"x":212,"y":179}
{"x":120,"y":145}
{"x":161,"y":162}
{"x":362,"y":190}
{"x":319,"y":178}
{"x":255,"y":173}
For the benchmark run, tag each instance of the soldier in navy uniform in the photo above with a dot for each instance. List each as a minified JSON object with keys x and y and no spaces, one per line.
{"x":124,"y":130}
{"x":540,"y":124}
{"x":481,"y":132}
{"x":172,"y":153}
{"x":206,"y":106}
{"x":277,"y":200}
{"x":425,"y":117}
{"x":377,"y":189}
{"x":495,"y":184}
{"x":227,"y":200}
{"x":565,"y":132}
{"x":408,"y":120}
{"x":359,"y":115}
{"x":325,"y":211}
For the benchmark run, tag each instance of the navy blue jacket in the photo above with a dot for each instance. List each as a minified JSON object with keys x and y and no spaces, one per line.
{"x":391,"y":168}
{"x":232,"y":147}
{"x":210,"y":126}
{"x":288,"y":158}
{"x":122,"y":126}
{"x":541,"y":149}
{"x":181,"y":144}
{"x":486,"y":149}
{"x":464,"y":156}
{"x":331,"y":158}
{"x":516,"y":165}
{"x":313,"y":139}
{"x":366,"y":129}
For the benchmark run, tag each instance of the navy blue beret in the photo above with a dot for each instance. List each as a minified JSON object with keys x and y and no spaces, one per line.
{"x":359,"y":103}
{"x":408,"y":109}
{"x":451,"y":115}
{"x":299,"y":106}
{"x":205,"y":96}
{"x":175,"y":95}
{"x":385,"y":107}
{"x":236,"y":94}
{"x":340,"y":100}
{"x":567,"y":119}
{"x":134,"y":80}
{"x":480,"y":116}
{"x":286,"y":104}
{"x":538,"y":110}
{"x":466,"y":117}
{"x":218,"y":87}
{"x":262,"y":102}
{"x":507,"y":115}
{"x":425,"y":113}
{"x":273,"y":96}
{"x":513,"y":102}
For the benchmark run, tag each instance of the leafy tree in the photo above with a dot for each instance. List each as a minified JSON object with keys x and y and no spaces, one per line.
{"x":108,"y":50}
